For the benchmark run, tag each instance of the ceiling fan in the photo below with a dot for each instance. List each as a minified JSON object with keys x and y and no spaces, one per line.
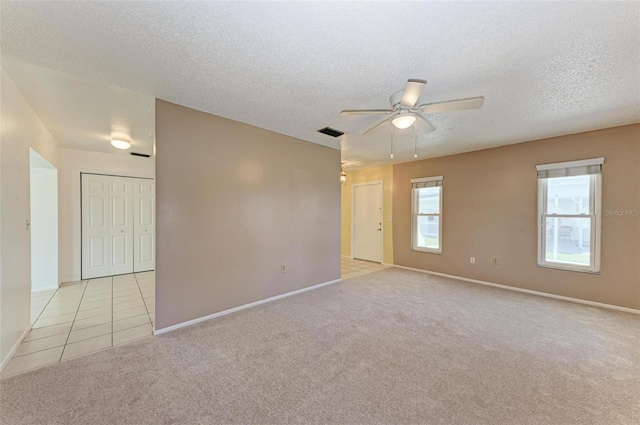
{"x":404,"y":111}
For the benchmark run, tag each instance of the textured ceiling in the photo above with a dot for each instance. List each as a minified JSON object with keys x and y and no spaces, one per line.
{"x":545,"y":68}
{"x":82,"y":114}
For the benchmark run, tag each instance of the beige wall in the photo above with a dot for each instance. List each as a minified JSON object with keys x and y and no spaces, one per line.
{"x":21,"y":129}
{"x":74,"y":162}
{"x":367,"y":175}
{"x":490,"y":207}
{"x":234,"y":203}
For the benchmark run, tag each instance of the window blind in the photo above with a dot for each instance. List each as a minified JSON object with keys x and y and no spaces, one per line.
{"x":426,"y":182}
{"x":420,"y":185}
{"x":569,"y":169}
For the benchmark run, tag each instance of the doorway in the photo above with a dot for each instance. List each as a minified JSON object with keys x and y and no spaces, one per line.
{"x":43,"y":182}
{"x":367,"y":221}
{"x":43,"y":223}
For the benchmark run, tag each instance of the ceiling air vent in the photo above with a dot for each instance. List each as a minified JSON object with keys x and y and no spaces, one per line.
{"x":144,"y":155}
{"x":331,"y":132}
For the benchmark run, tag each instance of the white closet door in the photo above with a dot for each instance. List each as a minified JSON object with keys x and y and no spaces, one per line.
{"x":95,"y":226}
{"x":121,"y":225}
{"x":144,"y":246}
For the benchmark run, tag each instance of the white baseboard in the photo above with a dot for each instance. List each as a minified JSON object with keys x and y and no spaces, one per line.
{"x":10,"y":354}
{"x":242,"y":307}
{"x":526,"y":291}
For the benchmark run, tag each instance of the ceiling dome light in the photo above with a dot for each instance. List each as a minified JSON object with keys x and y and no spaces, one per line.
{"x":120,"y":144}
{"x":404,"y":121}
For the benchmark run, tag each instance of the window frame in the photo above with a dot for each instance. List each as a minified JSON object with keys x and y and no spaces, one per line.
{"x":595,"y":209}
{"x":415,"y":214}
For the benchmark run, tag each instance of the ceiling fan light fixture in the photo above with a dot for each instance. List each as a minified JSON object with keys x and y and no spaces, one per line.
{"x":403,"y":121}
{"x":120,"y":144}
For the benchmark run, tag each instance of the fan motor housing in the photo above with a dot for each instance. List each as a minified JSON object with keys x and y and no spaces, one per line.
{"x":395,"y":100}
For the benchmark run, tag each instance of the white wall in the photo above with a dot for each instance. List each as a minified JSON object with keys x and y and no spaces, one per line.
{"x":2,"y":133}
{"x":21,"y":128}
{"x":75,"y":162}
{"x":44,"y":225}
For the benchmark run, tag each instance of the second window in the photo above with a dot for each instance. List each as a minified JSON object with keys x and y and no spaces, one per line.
{"x":426,"y":223}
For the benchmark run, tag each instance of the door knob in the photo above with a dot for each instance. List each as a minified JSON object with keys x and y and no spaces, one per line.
{"x":378,"y":230}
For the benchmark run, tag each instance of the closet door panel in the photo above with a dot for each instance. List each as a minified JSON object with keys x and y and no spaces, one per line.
{"x":95,"y":226}
{"x":144,"y":225}
{"x":121,"y":227}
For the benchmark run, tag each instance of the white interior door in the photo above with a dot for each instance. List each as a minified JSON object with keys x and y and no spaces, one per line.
{"x":121,"y":225}
{"x":144,"y":247}
{"x":95,"y":226}
{"x":367,"y":222}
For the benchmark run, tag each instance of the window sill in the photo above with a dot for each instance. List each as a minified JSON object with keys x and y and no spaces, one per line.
{"x":568,"y":269}
{"x":428,"y":251}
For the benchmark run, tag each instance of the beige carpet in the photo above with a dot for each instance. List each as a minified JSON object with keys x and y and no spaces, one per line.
{"x":391,"y":347}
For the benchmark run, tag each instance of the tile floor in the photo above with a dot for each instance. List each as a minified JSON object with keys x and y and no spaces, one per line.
{"x":39,"y":301}
{"x":87,"y":316}
{"x":353,"y":268}
{"x":83,"y":317}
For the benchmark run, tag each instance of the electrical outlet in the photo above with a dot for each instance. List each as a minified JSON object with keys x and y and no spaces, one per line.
{"x":495,"y":260}
{"x":283,"y":268}
{"x":472,"y":260}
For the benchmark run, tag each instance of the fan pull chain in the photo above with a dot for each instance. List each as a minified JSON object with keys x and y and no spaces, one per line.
{"x":415,"y":140}
{"x":392,"y":132}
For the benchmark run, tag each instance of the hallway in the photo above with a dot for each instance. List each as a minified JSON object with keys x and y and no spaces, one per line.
{"x":84,"y":317}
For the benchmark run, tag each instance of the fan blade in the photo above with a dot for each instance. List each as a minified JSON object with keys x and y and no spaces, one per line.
{"x":412,"y":91}
{"x":379,"y":125}
{"x":427,"y":125}
{"x":452,"y":105}
{"x":365,"y":111}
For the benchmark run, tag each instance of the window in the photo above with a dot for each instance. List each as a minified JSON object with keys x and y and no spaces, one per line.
{"x":426,"y":223}
{"x":569,"y":204}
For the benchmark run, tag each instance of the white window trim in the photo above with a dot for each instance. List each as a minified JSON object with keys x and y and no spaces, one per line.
{"x":596,"y":190}
{"x":414,"y":216}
